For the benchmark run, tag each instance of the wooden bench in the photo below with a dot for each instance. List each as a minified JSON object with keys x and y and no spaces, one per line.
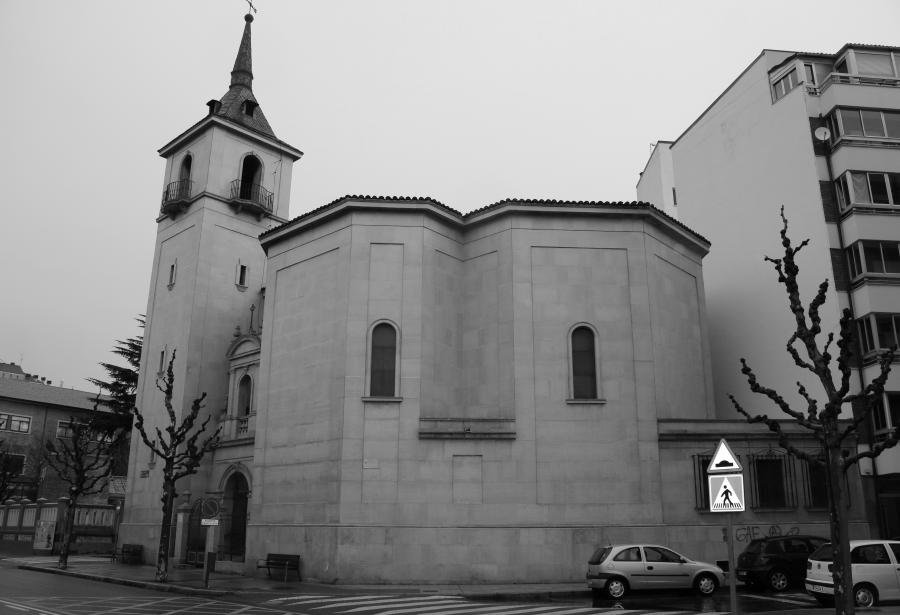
{"x":280,"y":561}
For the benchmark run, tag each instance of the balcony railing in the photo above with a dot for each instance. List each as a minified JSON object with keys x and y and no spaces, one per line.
{"x":850,"y":79}
{"x":176,"y":195}
{"x":247,"y":195}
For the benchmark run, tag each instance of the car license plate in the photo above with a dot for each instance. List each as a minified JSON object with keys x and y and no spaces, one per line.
{"x":818,"y":588}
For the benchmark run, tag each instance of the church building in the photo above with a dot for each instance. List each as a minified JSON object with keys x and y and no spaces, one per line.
{"x":407,"y":393}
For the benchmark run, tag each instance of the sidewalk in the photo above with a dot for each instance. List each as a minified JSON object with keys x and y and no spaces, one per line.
{"x":190,"y":581}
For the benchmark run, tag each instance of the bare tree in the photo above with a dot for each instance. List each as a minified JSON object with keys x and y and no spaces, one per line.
{"x":81,"y":459}
{"x":836,"y":436}
{"x":180,"y":451}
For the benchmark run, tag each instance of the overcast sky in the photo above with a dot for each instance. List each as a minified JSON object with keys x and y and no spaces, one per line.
{"x":468,"y":102}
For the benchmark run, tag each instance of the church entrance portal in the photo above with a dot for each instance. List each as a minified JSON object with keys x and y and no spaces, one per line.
{"x":234,"y":519}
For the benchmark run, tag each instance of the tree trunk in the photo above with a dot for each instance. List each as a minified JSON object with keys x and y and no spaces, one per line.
{"x":162,"y":556}
{"x":68,"y":527}
{"x":837,"y":517}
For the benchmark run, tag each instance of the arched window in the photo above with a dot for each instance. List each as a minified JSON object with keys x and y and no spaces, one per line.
{"x":245,"y":387}
{"x":251,"y":176}
{"x":584,"y":364}
{"x":185,"y":172}
{"x":383,"y":361}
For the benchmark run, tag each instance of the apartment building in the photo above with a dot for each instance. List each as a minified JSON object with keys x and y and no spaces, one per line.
{"x":819,"y":134}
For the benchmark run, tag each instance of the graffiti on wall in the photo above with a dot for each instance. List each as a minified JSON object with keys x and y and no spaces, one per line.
{"x":751,"y":532}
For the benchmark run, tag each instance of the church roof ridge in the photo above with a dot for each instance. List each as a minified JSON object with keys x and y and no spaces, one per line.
{"x":639,"y":205}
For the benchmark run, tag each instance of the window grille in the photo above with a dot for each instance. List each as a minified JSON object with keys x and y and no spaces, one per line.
{"x":772,"y":481}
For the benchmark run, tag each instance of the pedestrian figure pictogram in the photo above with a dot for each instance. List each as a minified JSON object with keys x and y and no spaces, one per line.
{"x":726,"y":493}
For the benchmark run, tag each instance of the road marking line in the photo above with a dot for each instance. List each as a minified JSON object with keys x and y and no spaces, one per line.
{"x":779,"y":599}
{"x":24,"y":607}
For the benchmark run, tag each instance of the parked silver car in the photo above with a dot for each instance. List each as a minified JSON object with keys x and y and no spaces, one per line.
{"x":875,"y":568}
{"x":617,"y":569}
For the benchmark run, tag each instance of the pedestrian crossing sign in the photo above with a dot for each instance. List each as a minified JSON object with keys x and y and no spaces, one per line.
{"x":726,"y":493}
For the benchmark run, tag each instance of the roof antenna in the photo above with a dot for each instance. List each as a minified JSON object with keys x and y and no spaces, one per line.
{"x":252,"y":8}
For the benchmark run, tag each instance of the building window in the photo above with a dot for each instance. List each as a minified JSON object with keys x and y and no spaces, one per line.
{"x":16,"y":423}
{"x":878,"y":332}
{"x":583,"y":363}
{"x":816,"y":73}
{"x":701,"y":484}
{"x":867,"y":188}
{"x":383,"y":361}
{"x":245,"y":388}
{"x":173,"y":272}
{"x":241,"y":272}
{"x":12,"y":464}
{"x":772,"y":484}
{"x":184,"y":172}
{"x":878,"y":64}
{"x":162,"y":361}
{"x":816,"y":485}
{"x":865,"y":123}
{"x":873,"y":257}
{"x":251,"y":177}
{"x":886,"y":414}
{"x":785,"y":84}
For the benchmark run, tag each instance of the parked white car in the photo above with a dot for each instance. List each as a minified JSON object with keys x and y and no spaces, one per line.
{"x":875,"y":568}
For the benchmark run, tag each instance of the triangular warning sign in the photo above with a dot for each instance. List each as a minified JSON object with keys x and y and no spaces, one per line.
{"x":723,"y":461}
{"x":727,"y":497}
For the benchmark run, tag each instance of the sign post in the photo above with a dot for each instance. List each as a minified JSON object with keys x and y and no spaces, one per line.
{"x":726,"y":494}
{"x":209,"y":517}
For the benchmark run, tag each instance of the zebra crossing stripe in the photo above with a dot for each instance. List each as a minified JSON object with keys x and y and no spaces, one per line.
{"x":446,"y":603}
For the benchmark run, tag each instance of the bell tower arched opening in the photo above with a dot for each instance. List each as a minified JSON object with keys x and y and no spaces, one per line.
{"x":251,"y":176}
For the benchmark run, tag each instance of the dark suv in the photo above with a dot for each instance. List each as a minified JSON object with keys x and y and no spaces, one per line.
{"x":776,"y":562}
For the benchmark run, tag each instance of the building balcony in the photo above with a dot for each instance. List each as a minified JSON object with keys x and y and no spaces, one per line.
{"x":176,"y":197}
{"x":237,"y":428}
{"x":251,"y":197}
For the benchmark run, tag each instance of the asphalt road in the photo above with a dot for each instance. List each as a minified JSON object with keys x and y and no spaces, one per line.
{"x":25,"y":592}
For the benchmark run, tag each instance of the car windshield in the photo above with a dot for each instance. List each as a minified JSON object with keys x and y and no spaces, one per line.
{"x":823,"y":553}
{"x":755,"y":546}
{"x":599,"y":555}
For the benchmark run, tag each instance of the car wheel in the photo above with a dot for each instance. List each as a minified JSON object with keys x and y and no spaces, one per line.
{"x":706,"y":584}
{"x":616,"y":588}
{"x":778,"y":580}
{"x":865,"y":595}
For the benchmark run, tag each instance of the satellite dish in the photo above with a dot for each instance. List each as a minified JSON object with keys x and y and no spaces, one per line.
{"x":822,"y":133}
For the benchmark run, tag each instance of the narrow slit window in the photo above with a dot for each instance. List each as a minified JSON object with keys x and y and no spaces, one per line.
{"x":384,"y":360}
{"x":242,"y":275}
{"x":584,"y":364}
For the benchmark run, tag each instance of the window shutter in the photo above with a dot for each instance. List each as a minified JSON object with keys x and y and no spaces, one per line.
{"x":829,"y":203}
{"x":839,"y":269}
{"x":874,"y":64}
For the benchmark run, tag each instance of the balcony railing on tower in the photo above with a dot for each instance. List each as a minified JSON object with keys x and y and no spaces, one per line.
{"x":253,"y":197}
{"x":176,"y":196}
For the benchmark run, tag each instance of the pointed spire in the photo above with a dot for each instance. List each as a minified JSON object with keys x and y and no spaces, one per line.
{"x":242,"y":74}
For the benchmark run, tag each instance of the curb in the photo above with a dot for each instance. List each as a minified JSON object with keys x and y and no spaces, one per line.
{"x":162,"y":587}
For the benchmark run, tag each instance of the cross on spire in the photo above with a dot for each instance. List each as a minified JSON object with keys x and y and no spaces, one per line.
{"x":252,"y":8}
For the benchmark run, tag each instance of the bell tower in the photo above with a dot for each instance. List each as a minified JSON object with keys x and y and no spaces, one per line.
{"x":227,"y":180}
